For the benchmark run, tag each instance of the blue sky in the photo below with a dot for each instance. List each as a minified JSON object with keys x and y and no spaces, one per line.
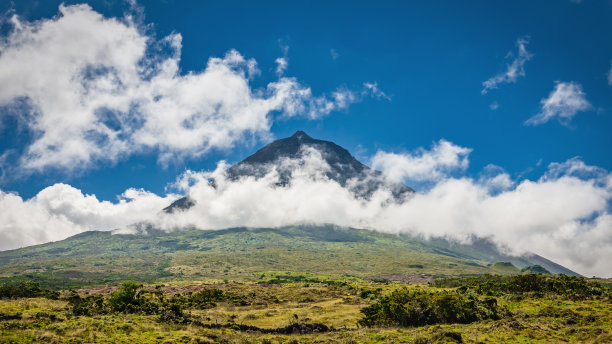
{"x":497,"y":112}
{"x":431,"y":58}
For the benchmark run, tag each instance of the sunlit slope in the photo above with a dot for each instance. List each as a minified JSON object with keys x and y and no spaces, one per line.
{"x":93,"y":258}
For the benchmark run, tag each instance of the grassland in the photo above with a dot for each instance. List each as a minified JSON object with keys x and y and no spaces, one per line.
{"x":279,"y":300}
{"x":281,"y":285}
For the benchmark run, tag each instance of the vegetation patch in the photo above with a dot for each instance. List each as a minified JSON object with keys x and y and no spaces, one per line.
{"x":26,"y":289}
{"x":536,"y":284}
{"x":298,"y":311}
{"x":417,"y":307}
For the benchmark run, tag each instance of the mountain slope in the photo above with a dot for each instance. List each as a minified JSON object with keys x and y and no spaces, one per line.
{"x":98,"y":258}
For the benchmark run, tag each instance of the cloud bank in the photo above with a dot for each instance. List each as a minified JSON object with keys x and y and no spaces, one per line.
{"x":91,"y":89}
{"x":61,"y":210}
{"x":564,"y":215}
{"x":563,"y":103}
{"x":423,"y":165}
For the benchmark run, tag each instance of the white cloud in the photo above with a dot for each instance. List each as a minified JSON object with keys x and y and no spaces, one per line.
{"x":423,"y":165}
{"x":564,"y":215}
{"x":513,"y":70}
{"x":61,"y":210}
{"x":494,"y":106}
{"x":610,"y":74}
{"x":99,"y":89}
{"x":374,"y":90}
{"x":495,"y":178}
{"x":563,"y":103}
{"x":281,"y":65}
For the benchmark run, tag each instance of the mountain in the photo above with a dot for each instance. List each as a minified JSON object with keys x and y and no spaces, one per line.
{"x":153,"y":256}
{"x":342,"y":168}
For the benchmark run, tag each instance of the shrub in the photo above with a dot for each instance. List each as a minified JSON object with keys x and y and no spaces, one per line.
{"x":569,"y":286}
{"x":26,"y":289}
{"x":131,"y":299}
{"x":90,"y":305}
{"x":206,"y":298}
{"x":369,"y":293}
{"x":404,"y":307}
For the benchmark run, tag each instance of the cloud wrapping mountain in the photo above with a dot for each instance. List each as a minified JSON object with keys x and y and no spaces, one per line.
{"x":563,"y":215}
{"x":423,"y":165}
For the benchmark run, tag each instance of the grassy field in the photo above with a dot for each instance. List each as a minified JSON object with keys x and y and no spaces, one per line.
{"x":290,"y":285}
{"x":293,"y":302}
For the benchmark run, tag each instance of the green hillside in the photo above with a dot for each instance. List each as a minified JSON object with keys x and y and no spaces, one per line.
{"x":101,"y":258}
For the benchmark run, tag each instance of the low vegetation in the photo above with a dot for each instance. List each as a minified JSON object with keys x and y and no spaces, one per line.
{"x":533,"y":284}
{"x":26,"y":289}
{"x":306,"y":308}
{"x":418,"y":307}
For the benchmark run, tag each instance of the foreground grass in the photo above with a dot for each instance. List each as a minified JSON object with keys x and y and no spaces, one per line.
{"x":532,"y":318}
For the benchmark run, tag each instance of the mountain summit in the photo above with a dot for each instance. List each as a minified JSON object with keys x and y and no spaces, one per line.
{"x":343,"y":168}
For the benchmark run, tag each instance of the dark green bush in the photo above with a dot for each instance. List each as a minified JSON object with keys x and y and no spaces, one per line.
{"x":132,"y":299}
{"x":26,"y":289}
{"x":206,"y":298}
{"x":495,"y":285}
{"x":370,"y":293}
{"x":90,"y":305}
{"x":404,"y":307}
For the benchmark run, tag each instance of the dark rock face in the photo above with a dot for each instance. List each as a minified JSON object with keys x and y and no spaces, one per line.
{"x":179,"y":204}
{"x":343,"y":167}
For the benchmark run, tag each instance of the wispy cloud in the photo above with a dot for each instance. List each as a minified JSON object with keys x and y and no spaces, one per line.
{"x":372,"y":88}
{"x":563,"y":103}
{"x":282,"y":62}
{"x":334,"y":54}
{"x":99,"y":89}
{"x":513,"y":70}
{"x":610,"y":75}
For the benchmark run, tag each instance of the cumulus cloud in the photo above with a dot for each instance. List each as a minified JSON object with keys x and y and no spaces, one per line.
{"x":564,"y":215}
{"x":61,"y":210}
{"x":563,"y":103}
{"x":93,"y":88}
{"x":423,"y":165}
{"x":513,"y":70}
